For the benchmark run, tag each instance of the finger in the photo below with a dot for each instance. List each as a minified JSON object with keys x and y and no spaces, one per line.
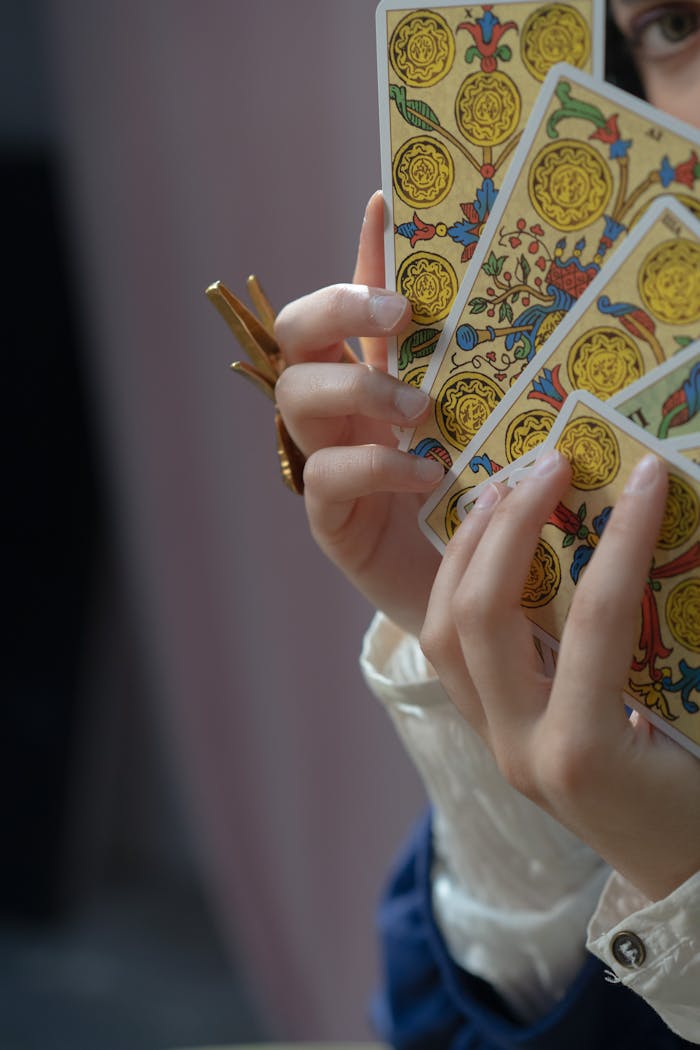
{"x":439,"y":638}
{"x":369,"y":270}
{"x":320,"y":402}
{"x":492,"y":625}
{"x":369,"y":267}
{"x":316,"y":326}
{"x":460,"y":549}
{"x":603,"y":622}
{"x":336,"y":478}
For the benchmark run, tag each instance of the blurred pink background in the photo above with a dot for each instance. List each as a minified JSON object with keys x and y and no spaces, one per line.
{"x":207,"y":139}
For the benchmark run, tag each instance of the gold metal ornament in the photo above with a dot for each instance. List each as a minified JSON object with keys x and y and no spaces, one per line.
{"x":256,"y":336}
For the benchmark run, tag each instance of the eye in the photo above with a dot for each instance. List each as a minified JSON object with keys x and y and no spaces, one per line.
{"x":663,"y":30}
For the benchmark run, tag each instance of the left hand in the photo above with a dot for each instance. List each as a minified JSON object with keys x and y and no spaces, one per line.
{"x":627,"y":790}
{"x":362,"y":494}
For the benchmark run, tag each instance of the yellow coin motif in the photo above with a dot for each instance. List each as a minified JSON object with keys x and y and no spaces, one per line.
{"x":604,"y":361}
{"x":422,"y":49}
{"x":452,"y":517}
{"x":429,"y":283}
{"x":591,"y":447}
{"x":487,"y":108}
{"x":416,"y":376}
{"x":549,"y":324}
{"x":463,"y":406}
{"x":569,"y":184}
{"x":682,"y":514}
{"x":423,"y":172}
{"x":691,"y":203}
{"x":683,"y":614}
{"x":554,"y":33}
{"x":526,"y":432}
{"x":669,"y":281}
{"x":543,"y":578}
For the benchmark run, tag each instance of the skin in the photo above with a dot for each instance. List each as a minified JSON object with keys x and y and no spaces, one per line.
{"x":362,"y":495}
{"x":625,"y":789}
{"x":664,"y":40}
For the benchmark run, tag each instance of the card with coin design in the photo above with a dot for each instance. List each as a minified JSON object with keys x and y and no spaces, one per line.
{"x":639,"y":311}
{"x":591,"y":162}
{"x":456,"y":84}
{"x":603,"y":447}
{"x":667,"y":401}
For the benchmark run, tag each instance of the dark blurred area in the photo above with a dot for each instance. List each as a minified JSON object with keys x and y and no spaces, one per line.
{"x":106,"y":940}
{"x":194,"y":839}
{"x":53,"y":533}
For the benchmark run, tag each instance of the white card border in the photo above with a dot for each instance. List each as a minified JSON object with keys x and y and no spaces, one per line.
{"x":585,"y":80}
{"x":539,"y":361}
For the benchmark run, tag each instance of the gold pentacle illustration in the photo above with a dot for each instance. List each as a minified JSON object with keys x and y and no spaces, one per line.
{"x":669,"y":281}
{"x":554,"y":33}
{"x":430,"y":284}
{"x":416,"y":376}
{"x":422,"y":49}
{"x":592,"y":449}
{"x":548,"y":326}
{"x":543,"y":578}
{"x":423,"y":172}
{"x":463,"y":406}
{"x":526,"y":432}
{"x":452,"y":516}
{"x":682,"y":514}
{"x":569,"y":185}
{"x":487,"y":108}
{"x":683,"y":613}
{"x":691,"y":203}
{"x":604,"y":361}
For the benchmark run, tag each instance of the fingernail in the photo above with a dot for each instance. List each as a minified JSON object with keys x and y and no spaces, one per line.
{"x":429,"y":469}
{"x":546,"y":464}
{"x":410,"y":401}
{"x":644,"y":474}
{"x":488,"y":498}
{"x":386,"y":309}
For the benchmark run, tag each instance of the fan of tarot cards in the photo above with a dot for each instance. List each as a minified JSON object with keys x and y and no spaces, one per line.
{"x":543,"y":225}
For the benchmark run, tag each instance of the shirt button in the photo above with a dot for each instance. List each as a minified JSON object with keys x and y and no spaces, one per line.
{"x":628,"y":949}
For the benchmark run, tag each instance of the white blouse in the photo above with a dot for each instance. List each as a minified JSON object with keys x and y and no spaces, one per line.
{"x":519,"y":909}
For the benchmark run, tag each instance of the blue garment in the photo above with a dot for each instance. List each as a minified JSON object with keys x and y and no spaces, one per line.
{"x":429,"y":1003}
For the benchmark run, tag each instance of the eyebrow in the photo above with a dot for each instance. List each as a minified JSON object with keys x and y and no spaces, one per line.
{"x":626,"y":5}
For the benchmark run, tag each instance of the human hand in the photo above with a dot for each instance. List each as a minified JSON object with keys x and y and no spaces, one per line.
{"x":362,"y":494}
{"x":621,"y":786}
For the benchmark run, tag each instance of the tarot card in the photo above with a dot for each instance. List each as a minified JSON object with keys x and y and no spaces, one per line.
{"x":441,"y":515}
{"x":638,"y":311}
{"x":456,"y":84}
{"x":590,"y":163}
{"x":603,"y":447}
{"x":667,"y":400}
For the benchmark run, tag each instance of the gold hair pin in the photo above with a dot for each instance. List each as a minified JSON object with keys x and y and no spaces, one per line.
{"x":256,"y":337}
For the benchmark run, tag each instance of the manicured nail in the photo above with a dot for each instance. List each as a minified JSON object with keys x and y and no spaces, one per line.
{"x":386,"y":309}
{"x":488,"y":498}
{"x":410,"y":401}
{"x":644,"y":474}
{"x":429,"y":469}
{"x":546,"y":464}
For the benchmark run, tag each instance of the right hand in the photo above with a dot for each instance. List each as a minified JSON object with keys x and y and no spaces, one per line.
{"x":362,"y":494}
